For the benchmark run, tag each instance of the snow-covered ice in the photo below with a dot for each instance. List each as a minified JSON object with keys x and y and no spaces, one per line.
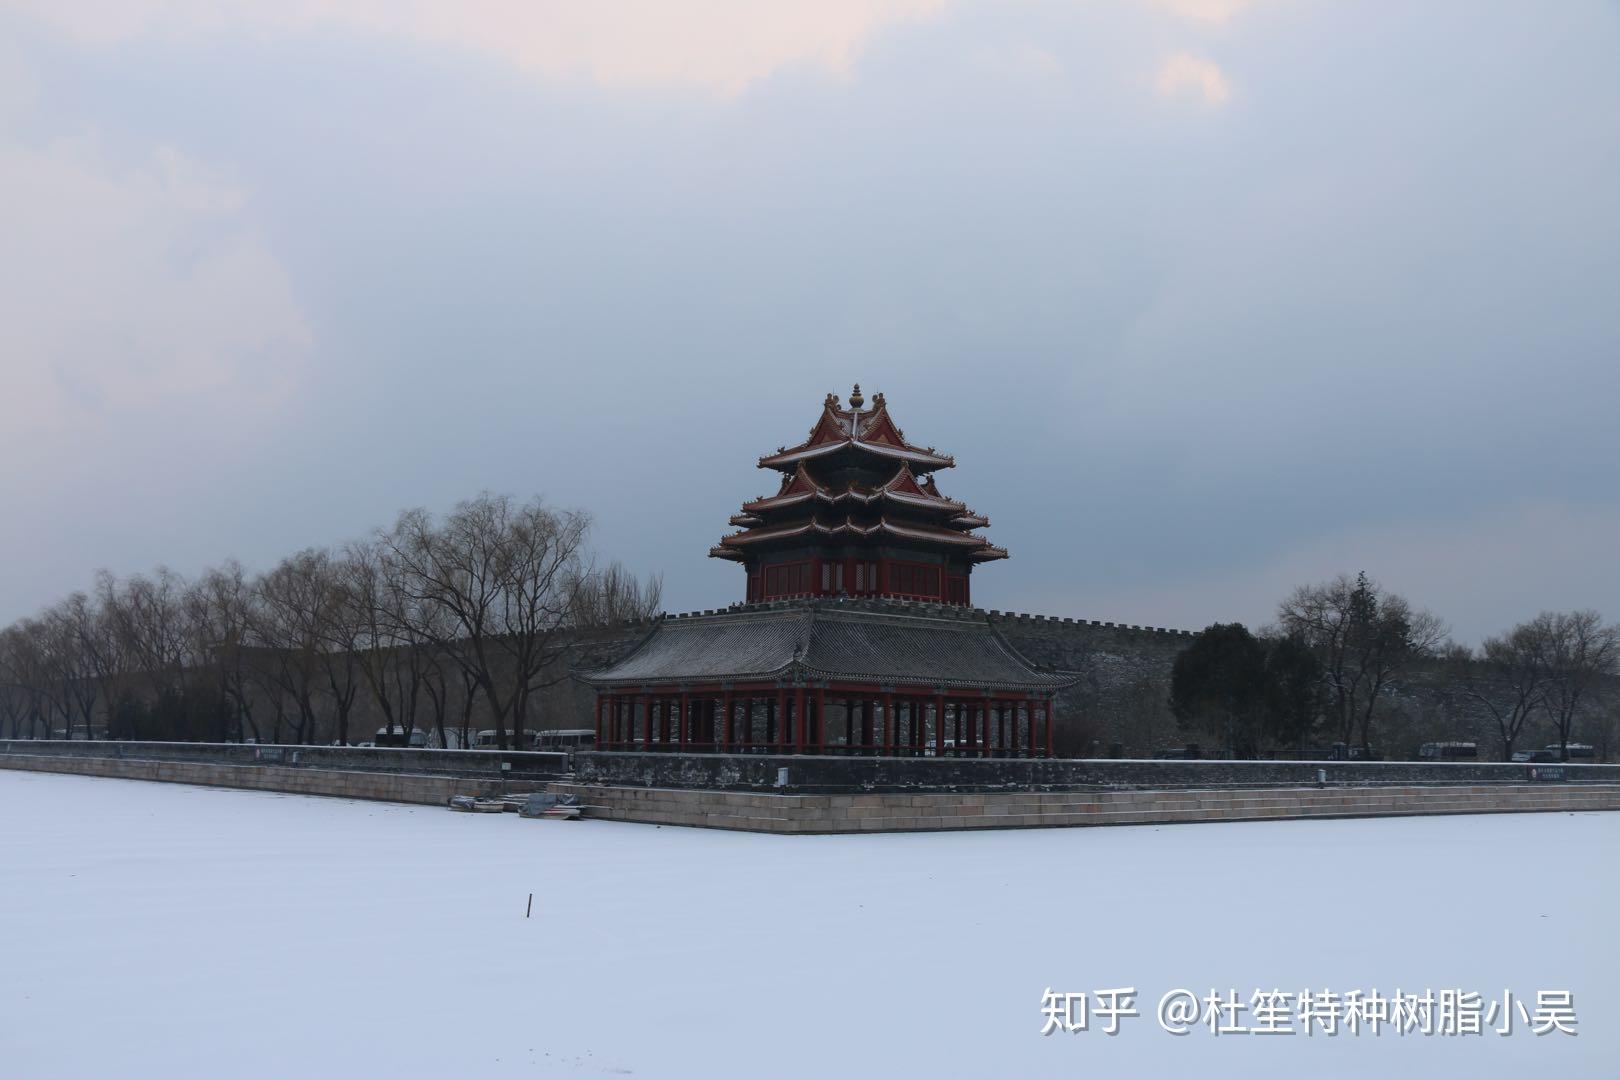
{"x":161,"y":930}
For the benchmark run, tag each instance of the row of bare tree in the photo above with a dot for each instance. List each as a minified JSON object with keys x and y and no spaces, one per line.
{"x":1552,"y":668}
{"x":437,"y":617}
{"x":1372,"y":657}
{"x":1549,"y":670}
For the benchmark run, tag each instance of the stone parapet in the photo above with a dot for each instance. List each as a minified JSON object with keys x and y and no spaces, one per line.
{"x":385,"y":786}
{"x":896,"y":812}
{"x":836,"y":774}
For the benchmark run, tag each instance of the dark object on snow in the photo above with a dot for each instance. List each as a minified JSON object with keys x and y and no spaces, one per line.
{"x":468,"y":804}
{"x":545,"y":804}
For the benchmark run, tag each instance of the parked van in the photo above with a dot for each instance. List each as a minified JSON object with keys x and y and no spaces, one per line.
{"x":565,"y":739}
{"x":1448,"y":751}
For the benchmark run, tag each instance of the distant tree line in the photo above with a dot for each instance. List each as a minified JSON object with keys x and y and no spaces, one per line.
{"x":1344,"y":660}
{"x":433,"y":620}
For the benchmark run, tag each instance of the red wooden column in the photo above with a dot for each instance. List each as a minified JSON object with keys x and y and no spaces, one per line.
{"x":939,"y":725}
{"x":821,"y":718}
{"x":1051,"y":708}
{"x":888,"y":724}
{"x":782,"y":713}
{"x":685,"y":719}
{"x":986,"y":721}
{"x":799,"y":725}
{"x":725,"y":706}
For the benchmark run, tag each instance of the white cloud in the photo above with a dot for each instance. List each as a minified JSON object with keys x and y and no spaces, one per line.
{"x":133,"y":294}
{"x":1185,"y":73}
{"x":721,"y":45}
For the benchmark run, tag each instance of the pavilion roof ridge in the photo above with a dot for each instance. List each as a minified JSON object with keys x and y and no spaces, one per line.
{"x":873,"y":430}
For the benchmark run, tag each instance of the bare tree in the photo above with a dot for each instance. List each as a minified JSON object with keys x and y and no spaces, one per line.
{"x":77,"y":656}
{"x":613,"y":595}
{"x":148,"y":618}
{"x":222,"y":613}
{"x":15,"y":695}
{"x":371,"y":621}
{"x":1366,"y":638}
{"x":286,"y":629}
{"x":1510,"y":679}
{"x":510,"y":579}
{"x":35,"y":673}
{"x":1580,"y":654}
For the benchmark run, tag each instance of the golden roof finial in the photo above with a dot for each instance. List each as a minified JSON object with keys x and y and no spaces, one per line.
{"x":855,"y":399}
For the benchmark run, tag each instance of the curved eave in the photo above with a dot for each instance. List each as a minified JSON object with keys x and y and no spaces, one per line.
{"x":782,"y":674}
{"x":924,"y":502}
{"x":965,"y":540}
{"x":1036,"y":681}
{"x":798,"y":673}
{"x":805,"y":453}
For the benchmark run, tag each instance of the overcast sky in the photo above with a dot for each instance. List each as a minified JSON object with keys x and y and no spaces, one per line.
{"x":1209,"y":298}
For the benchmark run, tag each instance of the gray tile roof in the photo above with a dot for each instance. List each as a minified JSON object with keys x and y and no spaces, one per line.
{"x":831,"y":640}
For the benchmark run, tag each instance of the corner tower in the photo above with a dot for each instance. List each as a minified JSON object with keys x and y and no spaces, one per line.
{"x":858,"y":514}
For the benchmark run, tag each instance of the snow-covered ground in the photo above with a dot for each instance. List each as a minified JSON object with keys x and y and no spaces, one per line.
{"x":154,"y":930}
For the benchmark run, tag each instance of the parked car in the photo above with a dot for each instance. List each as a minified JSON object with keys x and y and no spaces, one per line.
{"x":1537,"y":757}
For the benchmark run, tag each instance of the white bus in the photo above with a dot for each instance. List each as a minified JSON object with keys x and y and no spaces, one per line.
{"x":565,"y":739}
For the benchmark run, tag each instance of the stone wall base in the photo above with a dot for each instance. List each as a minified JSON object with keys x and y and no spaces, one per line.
{"x":388,"y":787}
{"x":870,"y":812}
{"x":1004,"y":810}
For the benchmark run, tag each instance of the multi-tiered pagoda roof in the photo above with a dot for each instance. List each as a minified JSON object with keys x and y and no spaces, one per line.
{"x":806,"y":668}
{"x":858,"y":512}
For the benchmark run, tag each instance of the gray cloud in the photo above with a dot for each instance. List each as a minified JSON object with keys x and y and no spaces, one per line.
{"x":1357,"y":312}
